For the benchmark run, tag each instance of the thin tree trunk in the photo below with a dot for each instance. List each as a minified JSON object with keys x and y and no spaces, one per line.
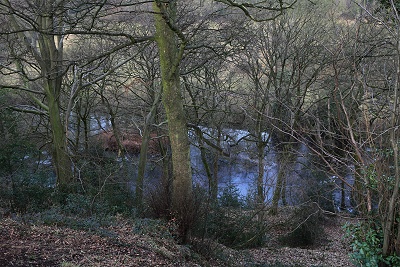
{"x":78,"y":135}
{"x":214,"y":189}
{"x":143,"y":152}
{"x":283,"y":192}
{"x":283,"y":159}
{"x":260,"y":177}
{"x":389,"y":221}
{"x":277,"y":192}
{"x":86,"y":129}
{"x":343,"y":195}
{"x":260,"y":181}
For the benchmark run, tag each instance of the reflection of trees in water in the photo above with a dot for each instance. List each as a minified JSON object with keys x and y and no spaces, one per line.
{"x":303,"y":179}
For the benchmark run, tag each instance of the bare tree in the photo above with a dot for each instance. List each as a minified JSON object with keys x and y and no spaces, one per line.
{"x":380,"y":79}
{"x":42,"y":29}
{"x":282,"y":63}
{"x":172,"y":41}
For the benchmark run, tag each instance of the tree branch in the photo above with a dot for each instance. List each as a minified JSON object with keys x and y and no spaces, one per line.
{"x":246,"y":6}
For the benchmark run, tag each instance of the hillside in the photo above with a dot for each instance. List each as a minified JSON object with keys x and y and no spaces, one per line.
{"x":149,"y":243}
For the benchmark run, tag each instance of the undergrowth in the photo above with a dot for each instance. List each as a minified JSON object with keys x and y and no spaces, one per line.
{"x":366,"y":243}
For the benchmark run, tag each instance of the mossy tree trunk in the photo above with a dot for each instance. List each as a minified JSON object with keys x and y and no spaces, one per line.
{"x":50,"y":60}
{"x":47,"y":50}
{"x":171,"y":46}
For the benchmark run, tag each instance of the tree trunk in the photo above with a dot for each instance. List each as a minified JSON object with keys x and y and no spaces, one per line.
{"x":389,"y":236}
{"x":214,"y":188}
{"x":47,"y":49}
{"x":277,"y":192}
{"x":260,"y":178}
{"x":143,"y":152}
{"x":283,"y":159}
{"x":61,"y":160}
{"x":203,"y":156}
{"x":170,"y":56}
{"x":212,"y":179}
{"x":50,"y":60}
{"x":343,"y":195}
{"x":283,"y":192}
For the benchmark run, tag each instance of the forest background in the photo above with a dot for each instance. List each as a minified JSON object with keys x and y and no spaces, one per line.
{"x":103,"y":104}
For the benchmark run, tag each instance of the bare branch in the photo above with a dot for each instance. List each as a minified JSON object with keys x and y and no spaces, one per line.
{"x":246,"y":8}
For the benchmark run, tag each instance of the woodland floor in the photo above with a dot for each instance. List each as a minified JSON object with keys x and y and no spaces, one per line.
{"x":331,"y":251}
{"x":124,"y":244}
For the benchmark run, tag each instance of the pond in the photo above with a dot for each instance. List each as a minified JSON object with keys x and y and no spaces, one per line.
{"x":240,"y":169}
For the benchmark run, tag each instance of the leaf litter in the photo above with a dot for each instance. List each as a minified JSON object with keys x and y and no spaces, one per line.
{"x":23,"y":244}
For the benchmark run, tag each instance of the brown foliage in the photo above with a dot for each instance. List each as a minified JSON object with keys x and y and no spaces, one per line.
{"x":132,"y":142}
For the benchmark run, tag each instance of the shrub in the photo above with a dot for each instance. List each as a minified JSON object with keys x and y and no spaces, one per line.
{"x":184,"y":217}
{"x":95,"y":168}
{"x":306,"y":227}
{"x":228,"y":223}
{"x":250,"y":201}
{"x":366,"y":243}
{"x":78,"y":205}
{"x":25,"y":185}
{"x":236,"y":228}
{"x":111,"y":202}
{"x":320,"y":190}
{"x":28,"y":192}
{"x":104,"y":181}
{"x":230,"y":197}
{"x":158,"y":202}
{"x":119,"y":198}
{"x":219,"y":255}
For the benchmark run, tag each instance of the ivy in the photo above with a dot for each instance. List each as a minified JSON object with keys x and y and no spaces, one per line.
{"x":366,"y":243}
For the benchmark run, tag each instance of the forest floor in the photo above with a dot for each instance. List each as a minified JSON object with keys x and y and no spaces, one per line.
{"x":129,"y":243}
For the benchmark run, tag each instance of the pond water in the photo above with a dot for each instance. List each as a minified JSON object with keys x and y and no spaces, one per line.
{"x":240,"y":169}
